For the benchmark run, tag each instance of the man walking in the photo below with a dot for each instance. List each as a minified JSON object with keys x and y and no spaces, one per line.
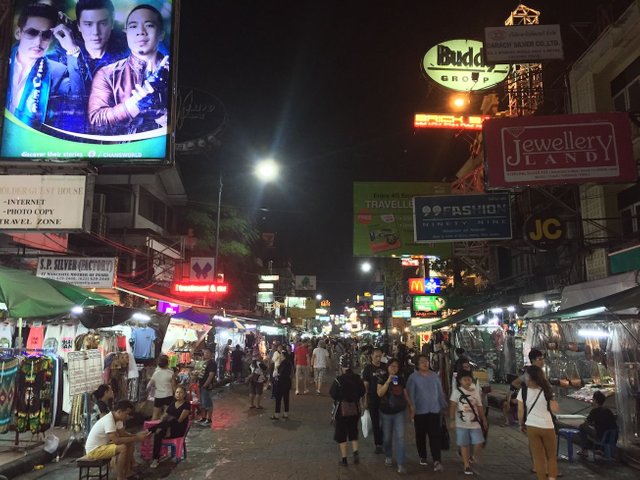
{"x":302,"y":357}
{"x":371,"y":375}
{"x":319,"y":363}
{"x":206,"y":388}
{"x":427,"y":402}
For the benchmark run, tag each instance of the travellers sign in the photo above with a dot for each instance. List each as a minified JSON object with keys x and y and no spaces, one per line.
{"x":558,"y":149}
{"x":523,"y":43}
{"x":460,"y":65}
{"x":383,"y":219}
{"x":446,"y":218}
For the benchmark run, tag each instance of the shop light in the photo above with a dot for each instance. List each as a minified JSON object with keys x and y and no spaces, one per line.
{"x":591,"y":333}
{"x":496,"y":310}
{"x":493,"y":321}
{"x":511,"y":309}
{"x":540,"y":304}
{"x":141,"y":317}
{"x":591,"y":311}
{"x":77,"y":310}
{"x":481,"y":317}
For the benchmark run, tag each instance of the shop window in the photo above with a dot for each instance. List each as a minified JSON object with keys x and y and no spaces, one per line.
{"x":145,"y":204}
{"x":625,"y":91}
{"x":118,"y":200}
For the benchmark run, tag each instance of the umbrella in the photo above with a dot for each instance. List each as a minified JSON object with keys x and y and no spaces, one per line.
{"x":28,"y":296}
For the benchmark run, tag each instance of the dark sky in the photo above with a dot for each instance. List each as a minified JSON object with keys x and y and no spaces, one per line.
{"x":329,"y":89}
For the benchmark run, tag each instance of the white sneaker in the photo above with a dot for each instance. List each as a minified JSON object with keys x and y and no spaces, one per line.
{"x":154,"y":464}
{"x":437,"y":467}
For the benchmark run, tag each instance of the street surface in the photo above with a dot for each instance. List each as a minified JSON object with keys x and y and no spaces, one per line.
{"x":246,"y":444}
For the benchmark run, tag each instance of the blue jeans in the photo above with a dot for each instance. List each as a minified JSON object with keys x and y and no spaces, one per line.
{"x":393,"y":431}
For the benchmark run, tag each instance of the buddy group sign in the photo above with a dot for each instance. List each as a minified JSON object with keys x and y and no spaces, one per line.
{"x":383,"y":219}
{"x":90,"y":83}
{"x":558,"y":149}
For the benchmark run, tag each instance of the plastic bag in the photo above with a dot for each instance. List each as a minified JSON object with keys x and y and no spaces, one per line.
{"x":367,"y":425}
{"x":51,"y":443}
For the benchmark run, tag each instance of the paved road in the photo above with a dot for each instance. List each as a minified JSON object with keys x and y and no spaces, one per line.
{"x":246,"y":444}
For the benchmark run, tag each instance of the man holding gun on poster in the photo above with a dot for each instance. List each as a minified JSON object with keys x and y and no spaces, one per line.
{"x":131,"y":95}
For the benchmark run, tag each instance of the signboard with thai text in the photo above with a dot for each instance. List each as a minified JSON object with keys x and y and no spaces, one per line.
{"x":558,"y":149}
{"x":86,"y":272}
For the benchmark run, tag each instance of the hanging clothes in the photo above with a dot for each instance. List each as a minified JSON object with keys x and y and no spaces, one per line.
{"x":6,"y":335}
{"x":52,"y":338}
{"x":34,"y":385}
{"x":36,"y":337}
{"x":8,"y":373}
{"x":143,"y":342}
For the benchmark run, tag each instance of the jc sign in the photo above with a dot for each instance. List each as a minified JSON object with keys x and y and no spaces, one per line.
{"x":544,"y":233}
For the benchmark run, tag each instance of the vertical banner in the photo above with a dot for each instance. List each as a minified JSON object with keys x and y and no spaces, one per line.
{"x":90,"y":80}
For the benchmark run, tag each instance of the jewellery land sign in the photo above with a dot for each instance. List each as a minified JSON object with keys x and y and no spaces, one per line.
{"x":75,"y":95}
{"x":449,"y":218}
{"x":523,"y":43}
{"x":87,"y":272}
{"x":558,"y":149}
{"x":42,"y":202}
{"x":460,"y":65}
{"x":383,"y":219}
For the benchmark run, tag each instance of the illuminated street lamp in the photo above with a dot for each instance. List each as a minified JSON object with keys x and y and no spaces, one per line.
{"x":366,"y":267}
{"x":460,"y":102}
{"x":267,"y":170}
{"x":318,"y":297}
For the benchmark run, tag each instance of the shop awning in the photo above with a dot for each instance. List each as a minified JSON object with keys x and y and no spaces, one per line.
{"x":466,"y":314}
{"x":617,"y":302}
{"x":150,"y":294}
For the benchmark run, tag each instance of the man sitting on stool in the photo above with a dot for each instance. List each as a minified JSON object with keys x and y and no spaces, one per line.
{"x":600,"y":420}
{"x":104,"y":440}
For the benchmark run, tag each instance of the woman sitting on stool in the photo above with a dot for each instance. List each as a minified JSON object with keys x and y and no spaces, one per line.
{"x":173,"y":423}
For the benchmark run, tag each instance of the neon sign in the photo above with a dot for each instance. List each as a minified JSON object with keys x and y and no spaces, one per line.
{"x":457,"y":122}
{"x":198,"y":288}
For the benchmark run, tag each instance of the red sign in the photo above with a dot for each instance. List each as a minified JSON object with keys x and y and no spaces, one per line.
{"x":410,"y":262}
{"x":416,"y":286}
{"x":195,"y":289}
{"x":457,"y":122}
{"x":550,"y":150}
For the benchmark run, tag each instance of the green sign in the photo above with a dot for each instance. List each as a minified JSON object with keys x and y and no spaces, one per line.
{"x":428,"y":303}
{"x":383,"y":219}
{"x":459,"y":65}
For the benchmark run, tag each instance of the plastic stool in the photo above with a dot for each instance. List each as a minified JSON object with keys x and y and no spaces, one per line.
{"x":568,"y":434}
{"x":96,"y":469}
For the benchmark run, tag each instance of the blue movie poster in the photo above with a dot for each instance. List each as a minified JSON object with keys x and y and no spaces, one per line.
{"x":89,"y":79}
{"x":466,"y":217}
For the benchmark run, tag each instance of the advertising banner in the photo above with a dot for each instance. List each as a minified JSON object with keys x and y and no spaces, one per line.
{"x":202,"y":269}
{"x":448,"y":218}
{"x":460,"y":65}
{"x":86,"y":272}
{"x":428,"y":303}
{"x":383,"y":219}
{"x":558,"y":149}
{"x":522,"y":43}
{"x":305,"y":282}
{"x":90,"y":83}
{"x":42,"y":202}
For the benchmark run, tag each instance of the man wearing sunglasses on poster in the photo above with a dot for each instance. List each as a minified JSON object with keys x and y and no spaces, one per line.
{"x":34,"y":79}
{"x":130,"y":96}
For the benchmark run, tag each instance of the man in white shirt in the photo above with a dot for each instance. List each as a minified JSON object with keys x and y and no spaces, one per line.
{"x":319,"y":364}
{"x":106,"y":441}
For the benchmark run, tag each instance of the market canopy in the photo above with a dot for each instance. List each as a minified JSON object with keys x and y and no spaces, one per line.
{"x":27,"y":296}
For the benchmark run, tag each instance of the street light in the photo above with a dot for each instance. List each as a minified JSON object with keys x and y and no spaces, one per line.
{"x":366,"y":267}
{"x":266,"y":171}
{"x":318,"y":297}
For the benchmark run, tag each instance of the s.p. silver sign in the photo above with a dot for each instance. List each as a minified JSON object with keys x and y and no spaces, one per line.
{"x":88,"y":272}
{"x":557,"y":149}
{"x":42,"y":202}
{"x":460,"y":65}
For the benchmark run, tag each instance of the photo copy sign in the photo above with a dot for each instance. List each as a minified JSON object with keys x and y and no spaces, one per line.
{"x":559,"y":149}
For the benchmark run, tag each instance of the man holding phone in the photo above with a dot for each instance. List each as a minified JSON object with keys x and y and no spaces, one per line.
{"x":105,"y":440}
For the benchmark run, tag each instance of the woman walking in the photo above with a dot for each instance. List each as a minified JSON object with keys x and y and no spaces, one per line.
{"x":282,"y":385}
{"x":535,"y":408}
{"x":163,"y":383}
{"x":347,"y":390}
{"x":393,"y":405}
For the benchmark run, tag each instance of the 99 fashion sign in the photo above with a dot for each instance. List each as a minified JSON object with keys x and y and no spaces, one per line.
{"x":90,"y":80}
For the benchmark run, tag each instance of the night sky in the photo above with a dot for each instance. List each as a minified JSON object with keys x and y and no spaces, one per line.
{"x":329,"y":89}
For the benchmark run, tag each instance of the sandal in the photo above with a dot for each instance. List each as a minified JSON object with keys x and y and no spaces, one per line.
{"x":273,"y":417}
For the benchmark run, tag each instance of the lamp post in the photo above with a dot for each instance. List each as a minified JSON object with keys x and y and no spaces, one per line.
{"x":367,"y":267}
{"x":266,"y":171}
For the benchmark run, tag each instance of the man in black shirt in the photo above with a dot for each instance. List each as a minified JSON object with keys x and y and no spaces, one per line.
{"x":371,"y":374}
{"x":600,"y":420}
{"x":206,"y":388}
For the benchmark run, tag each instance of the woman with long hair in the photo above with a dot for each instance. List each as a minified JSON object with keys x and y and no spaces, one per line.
{"x":282,"y":385}
{"x":536,"y":407}
{"x":173,"y":423}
